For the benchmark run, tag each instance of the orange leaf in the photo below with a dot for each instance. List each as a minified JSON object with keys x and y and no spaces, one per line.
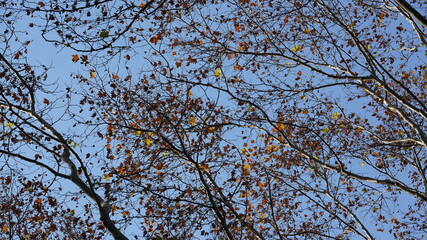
{"x":155,"y":39}
{"x":204,"y":167}
{"x":5,"y":228}
{"x":238,"y":67}
{"x":45,"y":101}
{"x":75,"y":58}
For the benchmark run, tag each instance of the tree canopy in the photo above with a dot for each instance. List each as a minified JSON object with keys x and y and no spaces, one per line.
{"x":221,"y":119}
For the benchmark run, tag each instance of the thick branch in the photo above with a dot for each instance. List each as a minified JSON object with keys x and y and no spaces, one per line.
{"x":412,"y":11}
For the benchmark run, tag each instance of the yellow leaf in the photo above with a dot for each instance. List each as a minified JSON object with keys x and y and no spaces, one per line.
{"x":217,"y":73}
{"x":246,"y":169}
{"x":326,"y":130}
{"x":137,"y":133}
{"x":335,"y":115}
{"x":9,"y":124}
{"x":303,"y":97}
{"x":148,"y":141}
{"x":72,"y":143}
{"x":106,"y":177}
{"x":362,"y":164}
{"x":92,"y":74}
{"x":280,"y":126}
{"x":296,"y":48}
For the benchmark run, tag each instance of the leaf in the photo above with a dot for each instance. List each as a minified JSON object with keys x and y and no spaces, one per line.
{"x":335,"y":115}
{"x":9,"y":124}
{"x":5,"y":228}
{"x":246,"y":169}
{"x":192,"y":121}
{"x":296,"y":48}
{"x":106,"y":177}
{"x":148,"y":141}
{"x":137,"y":133}
{"x":75,"y":58}
{"x":104,"y":33}
{"x":204,"y":167}
{"x":114,"y":76}
{"x":45,"y":101}
{"x":92,"y":74}
{"x":155,"y":39}
{"x":326,"y":130}
{"x":125,"y":213}
{"x":280,"y":126}
{"x":72,"y":143}
{"x":238,"y":67}
{"x":217,"y":73}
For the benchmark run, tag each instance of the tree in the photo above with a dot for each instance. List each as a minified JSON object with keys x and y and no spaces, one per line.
{"x":219,"y":120}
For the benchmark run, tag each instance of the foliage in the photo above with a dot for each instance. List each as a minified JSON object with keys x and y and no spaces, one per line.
{"x":228,"y":119}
